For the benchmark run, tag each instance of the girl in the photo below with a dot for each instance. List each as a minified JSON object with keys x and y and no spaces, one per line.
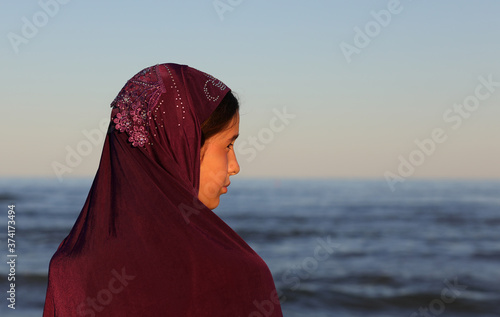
{"x":146,"y":242}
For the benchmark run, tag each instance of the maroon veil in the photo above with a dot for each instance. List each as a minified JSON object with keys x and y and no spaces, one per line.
{"x":143,"y":244}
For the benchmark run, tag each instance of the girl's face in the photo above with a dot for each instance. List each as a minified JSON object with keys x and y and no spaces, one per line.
{"x":218,"y":162}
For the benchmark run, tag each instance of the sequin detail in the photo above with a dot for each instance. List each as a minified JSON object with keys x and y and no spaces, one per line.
{"x":178,"y":99}
{"x":134,"y":103}
{"x":216,"y":83}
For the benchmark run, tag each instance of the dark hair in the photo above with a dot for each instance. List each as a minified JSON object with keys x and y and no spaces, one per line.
{"x":220,"y":118}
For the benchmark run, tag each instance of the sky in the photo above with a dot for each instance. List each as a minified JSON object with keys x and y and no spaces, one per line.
{"x":390,"y":90}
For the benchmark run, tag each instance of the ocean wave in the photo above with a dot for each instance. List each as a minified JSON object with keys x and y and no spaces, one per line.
{"x":407,"y":303}
{"x":8,"y":197}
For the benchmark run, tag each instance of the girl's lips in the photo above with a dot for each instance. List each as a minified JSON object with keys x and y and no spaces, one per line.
{"x":224,"y":188}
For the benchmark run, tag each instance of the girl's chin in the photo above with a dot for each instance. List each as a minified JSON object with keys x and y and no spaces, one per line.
{"x":211,"y":203}
{"x":214,"y":205}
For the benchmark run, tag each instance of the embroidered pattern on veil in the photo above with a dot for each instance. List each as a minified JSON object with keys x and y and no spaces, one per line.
{"x":133,"y":105}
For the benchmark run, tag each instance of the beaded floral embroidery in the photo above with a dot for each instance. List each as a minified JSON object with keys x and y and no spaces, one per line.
{"x":134,"y":103}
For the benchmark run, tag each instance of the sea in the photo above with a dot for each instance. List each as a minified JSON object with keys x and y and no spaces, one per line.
{"x":336,"y":247}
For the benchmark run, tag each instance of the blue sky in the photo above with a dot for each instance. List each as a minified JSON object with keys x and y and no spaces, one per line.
{"x":350,"y":119}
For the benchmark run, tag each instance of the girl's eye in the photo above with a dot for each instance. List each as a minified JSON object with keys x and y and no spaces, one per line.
{"x":230,"y":145}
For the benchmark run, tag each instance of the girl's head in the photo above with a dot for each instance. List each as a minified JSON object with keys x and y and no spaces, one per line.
{"x":217,"y":157}
{"x":160,"y":110}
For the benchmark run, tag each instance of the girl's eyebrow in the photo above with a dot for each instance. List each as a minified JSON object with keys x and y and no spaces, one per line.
{"x":234,"y":137}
